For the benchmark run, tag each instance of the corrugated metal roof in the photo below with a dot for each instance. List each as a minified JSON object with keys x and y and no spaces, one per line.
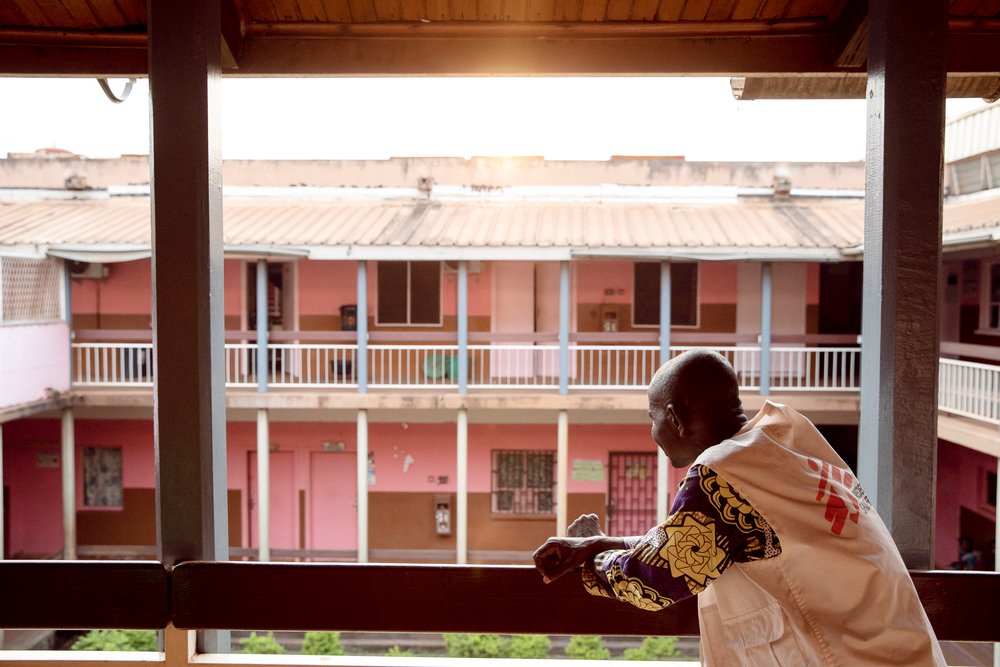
{"x":796,"y":228}
{"x":973,"y":133}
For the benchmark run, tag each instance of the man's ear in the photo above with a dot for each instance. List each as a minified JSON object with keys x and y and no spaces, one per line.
{"x":673,"y":418}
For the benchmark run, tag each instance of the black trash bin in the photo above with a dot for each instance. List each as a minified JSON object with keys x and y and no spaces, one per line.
{"x":348,"y":322}
{"x":349,"y":317}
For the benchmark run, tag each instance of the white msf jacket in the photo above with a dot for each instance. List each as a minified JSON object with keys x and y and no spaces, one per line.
{"x":839,"y":593}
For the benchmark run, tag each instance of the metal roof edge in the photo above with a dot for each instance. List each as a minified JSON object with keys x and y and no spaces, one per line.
{"x":761,"y":254}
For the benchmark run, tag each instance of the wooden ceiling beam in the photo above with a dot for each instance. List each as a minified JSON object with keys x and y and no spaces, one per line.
{"x":73,"y":60}
{"x":544,"y":50}
{"x":232,"y":35}
{"x":534,"y":56}
{"x":850,"y":48}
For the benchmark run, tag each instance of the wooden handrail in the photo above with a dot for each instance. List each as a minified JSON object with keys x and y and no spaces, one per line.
{"x":391,"y":598}
{"x":52,"y":594}
{"x":404,"y":598}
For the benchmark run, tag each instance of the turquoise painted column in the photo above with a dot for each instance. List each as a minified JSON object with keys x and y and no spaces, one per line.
{"x":68,"y":316}
{"x":261,"y":325}
{"x":765,"y":328}
{"x":463,"y":327}
{"x":665,"y":311}
{"x":662,"y":464}
{"x":362,"y":360}
{"x":564,"y":327}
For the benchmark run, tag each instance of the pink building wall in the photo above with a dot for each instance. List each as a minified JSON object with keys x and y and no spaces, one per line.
{"x":35,"y":359}
{"x":326,"y":286}
{"x":717,"y":282}
{"x":126,"y":290}
{"x":323,"y":286}
{"x":232,"y":276}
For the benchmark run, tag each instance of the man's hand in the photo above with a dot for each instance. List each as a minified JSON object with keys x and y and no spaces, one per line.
{"x":585,"y":525}
{"x":560,"y":555}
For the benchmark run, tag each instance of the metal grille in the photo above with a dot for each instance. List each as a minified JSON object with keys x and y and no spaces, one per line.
{"x":523,"y":481}
{"x":29,"y":290}
{"x":631,"y":493}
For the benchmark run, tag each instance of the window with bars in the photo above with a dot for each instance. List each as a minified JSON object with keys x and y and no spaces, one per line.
{"x":29,"y":290}
{"x":523,"y":481}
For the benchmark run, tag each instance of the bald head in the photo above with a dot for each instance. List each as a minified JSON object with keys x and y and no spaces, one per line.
{"x":702,"y":388}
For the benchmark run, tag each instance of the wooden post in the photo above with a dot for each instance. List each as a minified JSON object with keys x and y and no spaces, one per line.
{"x":899,"y":360}
{"x":186,"y":186}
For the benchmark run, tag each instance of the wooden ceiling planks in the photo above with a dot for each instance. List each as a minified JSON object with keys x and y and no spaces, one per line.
{"x":747,"y":10}
{"x":593,"y":10}
{"x":402,"y":37}
{"x":670,"y":10}
{"x":696,"y":10}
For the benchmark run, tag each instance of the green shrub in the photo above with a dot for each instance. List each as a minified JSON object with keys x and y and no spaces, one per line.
{"x":654,"y":648}
{"x":322,"y":643}
{"x":528,"y":646}
{"x":396,"y":652}
{"x":261,"y":644}
{"x":117,"y":640}
{"x":470,"y":645}
{"x":587,"y":647}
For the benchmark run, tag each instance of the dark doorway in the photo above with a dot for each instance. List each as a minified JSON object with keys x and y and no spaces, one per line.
{"x":840,"y":287}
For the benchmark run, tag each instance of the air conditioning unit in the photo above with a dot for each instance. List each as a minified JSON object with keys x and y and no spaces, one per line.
{"x":451,"y":266}
{"x":86,"y":270}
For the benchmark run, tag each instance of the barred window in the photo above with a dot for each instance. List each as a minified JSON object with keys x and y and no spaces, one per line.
{"x":523,"y":481}
{"x":29,"y":290}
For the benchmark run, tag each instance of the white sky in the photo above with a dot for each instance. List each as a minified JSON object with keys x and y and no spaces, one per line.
{"x":567,"y":118}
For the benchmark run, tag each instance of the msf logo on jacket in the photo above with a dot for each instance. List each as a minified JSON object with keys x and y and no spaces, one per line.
{"x":844,"y":497}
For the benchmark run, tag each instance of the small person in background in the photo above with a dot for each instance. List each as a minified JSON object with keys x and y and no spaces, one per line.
{"x":969,"y":558}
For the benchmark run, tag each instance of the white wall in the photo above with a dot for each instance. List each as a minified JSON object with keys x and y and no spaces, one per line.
{"x":33,"y":358}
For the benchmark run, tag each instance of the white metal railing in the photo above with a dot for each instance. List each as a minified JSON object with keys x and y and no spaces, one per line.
{"x":412,"y":366}
{"x":496,"y":366}
{"x":512,"y":365}
{"x":965,"y":388}
{"x":113,"y":364}
{"x":969,"y":389}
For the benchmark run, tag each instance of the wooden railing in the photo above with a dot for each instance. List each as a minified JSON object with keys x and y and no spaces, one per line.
{"x":381,"y":598}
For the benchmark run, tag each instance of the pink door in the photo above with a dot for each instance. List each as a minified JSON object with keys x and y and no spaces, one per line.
{"x":333,"y":508}
{"x":284,"y":524}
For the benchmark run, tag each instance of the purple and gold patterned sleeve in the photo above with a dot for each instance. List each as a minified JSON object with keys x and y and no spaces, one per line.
{"x":710,"y":527}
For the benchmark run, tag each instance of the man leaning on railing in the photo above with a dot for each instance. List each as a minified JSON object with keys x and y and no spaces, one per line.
{"x":770,"y":528}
